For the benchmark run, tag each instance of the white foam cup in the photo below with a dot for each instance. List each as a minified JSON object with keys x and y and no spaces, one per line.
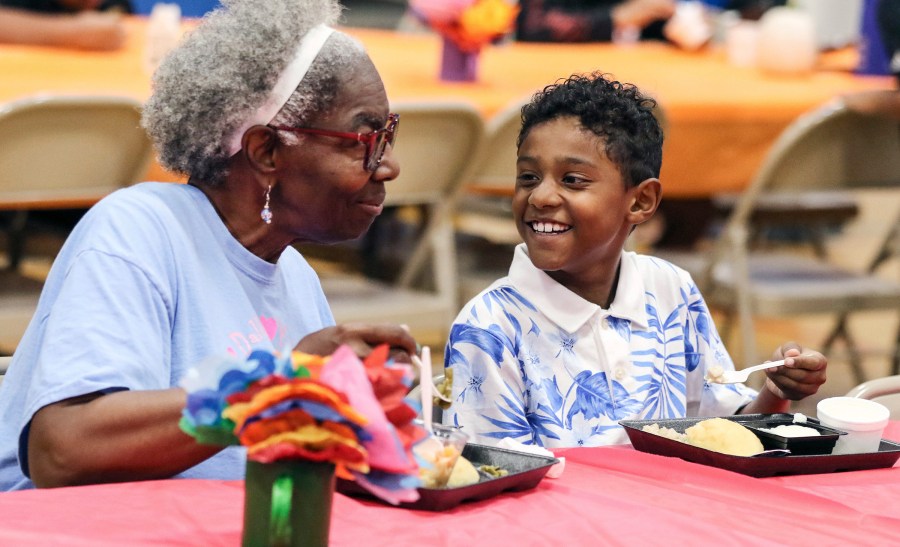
{"x":863,"y":420}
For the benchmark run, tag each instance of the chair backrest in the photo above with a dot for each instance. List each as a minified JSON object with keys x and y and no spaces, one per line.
{"x":69,"y":151}
{"x":437,"y":147}
{"x":832,"y":148}
{"x":437,"y":143}
{"x":497,"y":168}
{"x":884,"y":390}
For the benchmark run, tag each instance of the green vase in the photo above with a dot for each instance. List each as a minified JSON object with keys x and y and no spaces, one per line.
{"x":287,"y":503}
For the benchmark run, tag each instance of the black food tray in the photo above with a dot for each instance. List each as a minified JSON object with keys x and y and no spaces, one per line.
{"x":821,"y":444}
{"x":755,"y":466}
{"x":525,"y":472}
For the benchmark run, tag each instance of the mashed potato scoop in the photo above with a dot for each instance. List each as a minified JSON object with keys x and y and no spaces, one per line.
{"x":463,"y":474}
{"x":725,"y":436}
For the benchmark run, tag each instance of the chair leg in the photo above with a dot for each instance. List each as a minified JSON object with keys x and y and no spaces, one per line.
{"x":16,"y":247}
{"x":889,"y":247}
{"x":839,"y":331}
{"x":895,"y":362}
{"x":817,"y":238}
{"x":854,"y":356}
{"x":855,"y":360}
{"x":727,"y":326}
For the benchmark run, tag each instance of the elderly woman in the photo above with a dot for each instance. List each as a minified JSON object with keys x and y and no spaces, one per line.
{"x":283,"y":127}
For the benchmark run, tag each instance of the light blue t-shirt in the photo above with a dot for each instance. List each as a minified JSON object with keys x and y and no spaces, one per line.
{"x":149,"y":284}
{"x":535,"y":362}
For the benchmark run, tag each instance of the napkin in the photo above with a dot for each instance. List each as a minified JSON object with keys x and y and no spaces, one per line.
{"x":555,"y":471}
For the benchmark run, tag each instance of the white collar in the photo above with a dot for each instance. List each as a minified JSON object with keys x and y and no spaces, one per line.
{"x":567,"y":309}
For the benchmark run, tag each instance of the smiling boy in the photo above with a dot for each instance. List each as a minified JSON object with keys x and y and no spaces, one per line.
{"x":582,"y":334}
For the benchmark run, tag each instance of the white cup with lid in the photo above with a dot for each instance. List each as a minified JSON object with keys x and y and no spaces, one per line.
{"x":863,"y":420}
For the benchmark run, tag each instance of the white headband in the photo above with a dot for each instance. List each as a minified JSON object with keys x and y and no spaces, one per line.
{"x":307,"y":50}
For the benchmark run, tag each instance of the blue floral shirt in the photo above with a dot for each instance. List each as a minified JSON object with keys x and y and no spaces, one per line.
{"x":535,"y":362}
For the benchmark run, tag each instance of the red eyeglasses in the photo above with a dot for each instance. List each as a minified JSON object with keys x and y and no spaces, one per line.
{"x":375,"y":142}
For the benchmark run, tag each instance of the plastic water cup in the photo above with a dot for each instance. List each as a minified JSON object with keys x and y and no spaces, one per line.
{"x":863,"y":420}
{"x":439,"y":452}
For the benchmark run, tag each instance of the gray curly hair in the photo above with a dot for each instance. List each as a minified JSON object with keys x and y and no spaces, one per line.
{"x":225,"y":69}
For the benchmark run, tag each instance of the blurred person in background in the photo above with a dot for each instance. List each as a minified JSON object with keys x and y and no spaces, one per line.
{"x":611,"y":20}
{"x":591,"y":20}
{"x":889,"y":25}
{"x":81,"y":24}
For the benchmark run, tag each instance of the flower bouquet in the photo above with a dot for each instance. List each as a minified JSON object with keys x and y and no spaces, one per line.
{"x":466,"y":26}
{"x":304,"y":419}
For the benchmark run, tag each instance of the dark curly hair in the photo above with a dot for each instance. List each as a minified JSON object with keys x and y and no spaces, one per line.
{"x":618,"y":112}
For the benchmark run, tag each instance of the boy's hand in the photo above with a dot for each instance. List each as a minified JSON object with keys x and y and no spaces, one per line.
{"x":801,"y":375}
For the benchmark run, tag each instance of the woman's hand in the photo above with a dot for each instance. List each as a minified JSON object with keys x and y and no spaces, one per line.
{"x":801,"y":375}
{"x":96,"y":31}
{"x":361,"y":337}
{"x":640,"y":13}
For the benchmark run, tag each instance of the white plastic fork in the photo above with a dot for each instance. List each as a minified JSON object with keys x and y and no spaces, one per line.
{"x":427,"y":389}
{"x":740,"y":376}
{"x":426,"y":362}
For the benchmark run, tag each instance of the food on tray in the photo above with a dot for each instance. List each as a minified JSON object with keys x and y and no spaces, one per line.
{"x":792,"y":430}
{"x":725,"y":436}
{"x":441,"y":466}
{"x":799,"y":418}
{"x":438,"y":453}
{"x":666,"y":432}
{"x":717,"y":434}
{"x":463,"y":474}
{"x":445,"y":388}
{"x":715,"y":374}
{"x":493,"y":471}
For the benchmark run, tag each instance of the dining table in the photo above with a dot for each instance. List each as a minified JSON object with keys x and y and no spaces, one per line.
{"x":720,"y":119}
{"x":604,"y":496}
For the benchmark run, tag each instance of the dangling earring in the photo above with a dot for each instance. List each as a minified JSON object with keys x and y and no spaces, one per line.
{"x":266,"y":213}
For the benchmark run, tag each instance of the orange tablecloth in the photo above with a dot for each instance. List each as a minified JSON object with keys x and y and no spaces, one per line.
{"x":721,"y":119}
{"x":606,"y":496}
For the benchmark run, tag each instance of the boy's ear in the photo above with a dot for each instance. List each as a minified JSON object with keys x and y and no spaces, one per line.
{"x":258,"y":145}
{"x":645,"y":199}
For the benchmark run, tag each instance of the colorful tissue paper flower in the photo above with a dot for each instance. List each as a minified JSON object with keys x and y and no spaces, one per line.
{"x":471,"y":24}
{"x":333,"y":409}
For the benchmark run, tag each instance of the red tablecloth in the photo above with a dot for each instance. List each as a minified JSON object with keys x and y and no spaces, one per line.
{"x":610,"y":496}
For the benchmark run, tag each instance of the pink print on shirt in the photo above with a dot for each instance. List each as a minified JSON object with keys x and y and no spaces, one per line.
{"x":260,"y":329}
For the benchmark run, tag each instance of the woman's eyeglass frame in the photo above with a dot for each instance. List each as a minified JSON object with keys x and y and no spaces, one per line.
{"x":376,"y":142}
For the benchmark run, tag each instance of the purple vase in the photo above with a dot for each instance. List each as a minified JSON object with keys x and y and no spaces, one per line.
{"x":457,"y":65}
